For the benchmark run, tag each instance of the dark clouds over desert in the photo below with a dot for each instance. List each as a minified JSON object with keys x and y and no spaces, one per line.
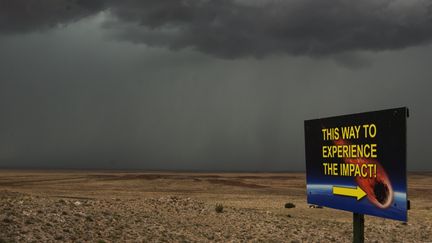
{"x":203,"y":85}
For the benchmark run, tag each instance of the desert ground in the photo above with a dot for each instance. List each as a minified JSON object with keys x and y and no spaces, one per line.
{"x":107,"y":206}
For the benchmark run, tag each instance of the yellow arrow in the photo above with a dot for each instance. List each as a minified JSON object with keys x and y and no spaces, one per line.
{"x":348,"y":191}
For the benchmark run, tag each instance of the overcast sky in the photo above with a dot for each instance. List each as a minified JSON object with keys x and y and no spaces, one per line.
{"x":201,"y":84}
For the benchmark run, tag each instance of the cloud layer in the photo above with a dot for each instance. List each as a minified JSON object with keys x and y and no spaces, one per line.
{"x":72,"y":98}
{"x":240,"y":28}
{"x":20,"y":16}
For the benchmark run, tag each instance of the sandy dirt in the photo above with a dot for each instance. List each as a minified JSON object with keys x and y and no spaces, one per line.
{"x":95,"y":206}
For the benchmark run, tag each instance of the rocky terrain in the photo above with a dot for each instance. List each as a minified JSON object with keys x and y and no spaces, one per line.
{"x":110,"y":207}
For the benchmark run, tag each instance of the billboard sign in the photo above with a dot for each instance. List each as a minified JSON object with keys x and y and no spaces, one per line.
{"x":357,"y":163}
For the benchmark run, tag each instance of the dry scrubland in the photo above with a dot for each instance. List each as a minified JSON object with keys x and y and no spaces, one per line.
{"x":57,"y":206}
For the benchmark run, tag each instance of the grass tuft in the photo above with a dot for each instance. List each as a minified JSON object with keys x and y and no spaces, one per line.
{"x":289,"y":205}
{"x":219,"y":208}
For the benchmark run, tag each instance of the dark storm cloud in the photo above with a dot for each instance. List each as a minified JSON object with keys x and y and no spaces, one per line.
{"x":72,"y":98}
{"x":19,"y":16}
{"x":232,"y":29}
{"x":241,"y":28}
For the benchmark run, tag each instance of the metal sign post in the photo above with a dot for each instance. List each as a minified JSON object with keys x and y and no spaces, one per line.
{"x":358,"y":228}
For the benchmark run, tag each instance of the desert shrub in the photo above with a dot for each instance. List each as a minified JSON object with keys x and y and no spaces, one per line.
{"x":7,"y":220}
{"x":289,"y":205}
{"x":59,"y":237}
{"x":219,"y":208}
{"x":101,"y":241}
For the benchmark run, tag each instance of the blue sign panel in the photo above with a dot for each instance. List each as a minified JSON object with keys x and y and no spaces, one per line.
{"x":357,"y":163}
